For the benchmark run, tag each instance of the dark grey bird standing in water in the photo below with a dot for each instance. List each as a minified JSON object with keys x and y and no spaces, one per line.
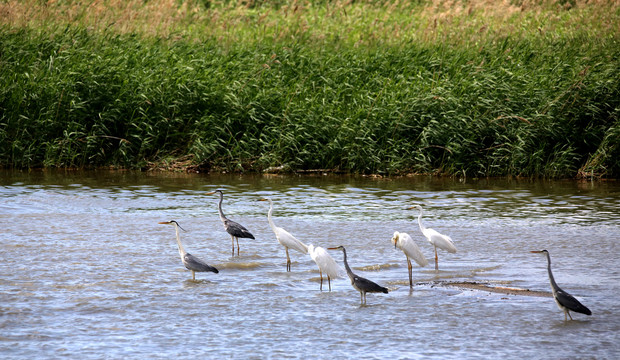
{"x":361,"y":284}
{"x":235,"y":229}
{"x":566,"y":302}
{"x":190,"y":261}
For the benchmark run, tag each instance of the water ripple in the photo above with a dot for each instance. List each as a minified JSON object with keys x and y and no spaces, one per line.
{"x":86,"y":271}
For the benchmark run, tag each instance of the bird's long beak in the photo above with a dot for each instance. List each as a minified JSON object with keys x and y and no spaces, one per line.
{"x":536,"y":251}
{"x":210,"y":193}
{"x":172,"y":222}
{"x":262,"y":199}
{"x":333,"y":248}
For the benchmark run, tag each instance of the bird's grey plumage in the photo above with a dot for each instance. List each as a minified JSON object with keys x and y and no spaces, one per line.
{"x":361,"y":284}
{"x":365,"y":285}
{"x":237,"y":230}
{"x":566,"y":302}
{"x":195,"y":264}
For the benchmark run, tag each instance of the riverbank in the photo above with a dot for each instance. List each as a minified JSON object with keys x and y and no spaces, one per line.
{"x":476,"y":89}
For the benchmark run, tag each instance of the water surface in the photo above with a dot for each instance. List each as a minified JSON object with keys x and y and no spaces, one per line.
{"x":87,"y":272}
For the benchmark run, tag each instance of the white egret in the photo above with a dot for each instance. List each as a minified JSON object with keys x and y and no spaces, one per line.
{"x":404,"y":242}
{"x":566,"y":302}
{"x":190,"y":261}
{"x":235,"y":229}
{"x":436,"y":239}
{"x":360,"y":284}
{"x":284,"y":237}
{"x":326,"y":264}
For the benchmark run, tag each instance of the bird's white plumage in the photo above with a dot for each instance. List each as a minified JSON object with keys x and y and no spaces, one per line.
{"x":441,"y":241}
{"x":284,"y":237}
{"x":325,"y":262}
{"x":287,"y":240}
{"x":404,"y":242}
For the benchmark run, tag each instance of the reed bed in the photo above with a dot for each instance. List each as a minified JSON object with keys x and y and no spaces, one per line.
{"x":476,"y":88}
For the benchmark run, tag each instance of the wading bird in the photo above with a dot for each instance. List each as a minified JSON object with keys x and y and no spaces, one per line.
{"x":235,"y":229}
{"x":190,"y":261}
{"x":566,"y":302}
{"x":404,"y":242}
{"x":284,"y":237}
{"x":360,"y":284}
{"x":436,"y":239}
{"x":326,"y":264}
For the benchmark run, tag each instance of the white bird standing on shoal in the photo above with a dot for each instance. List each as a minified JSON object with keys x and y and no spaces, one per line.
{"x":326,"y":264}
{"x":404,"y":242}
{"x":436,"y":239}
{"x":284,"y":237}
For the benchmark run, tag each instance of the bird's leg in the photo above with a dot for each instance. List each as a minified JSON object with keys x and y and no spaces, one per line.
{"x":568,"y":312}
{"x":410,"y":268}
{"x":193,"y":275}
{"x":361,"y":298}
{"x":321,"y":275}
{"x":288,"y":261}
{"x":237,"y":245}
{"x":329,"y":282}
{"x":436,"y":260}
{"x":232,"y":238}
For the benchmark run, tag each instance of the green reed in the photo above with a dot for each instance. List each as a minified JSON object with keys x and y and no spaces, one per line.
{"x":456,"y":100}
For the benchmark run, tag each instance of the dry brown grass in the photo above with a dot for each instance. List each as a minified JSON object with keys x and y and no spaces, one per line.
{"x":157,"y":17}
{"x":490,"y":18}
{"x":360,"y":22}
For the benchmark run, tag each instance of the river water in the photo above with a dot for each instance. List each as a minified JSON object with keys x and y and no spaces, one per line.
{"x":86,"y":271}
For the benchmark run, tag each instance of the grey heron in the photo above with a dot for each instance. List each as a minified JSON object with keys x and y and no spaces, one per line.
{"x":284,"y":237}
{"x":404,"y":242}
{"x":326,"y":264}
{"x":235,"y":229}
{"x":566,"y":302}
{"x":436,"y":239}
{"x":190,"y":261}
{"x":360,"y":284}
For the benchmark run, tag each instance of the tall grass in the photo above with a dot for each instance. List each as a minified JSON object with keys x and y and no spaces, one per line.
{"x":462,"y":88}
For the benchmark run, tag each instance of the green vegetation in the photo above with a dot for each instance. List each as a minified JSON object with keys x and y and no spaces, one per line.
{"x":466,"y":88}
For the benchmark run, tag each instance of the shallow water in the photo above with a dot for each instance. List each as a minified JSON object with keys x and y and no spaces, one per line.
{"x":87,"y":272}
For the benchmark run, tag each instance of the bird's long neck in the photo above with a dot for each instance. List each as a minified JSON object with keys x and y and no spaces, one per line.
{"x":346,"y":265}
{"x":219,"y":206}
{"x":422,"y":227}
{"x":271,"y":223}
{"x":554,"y":286}
{"x":181,"y":250}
